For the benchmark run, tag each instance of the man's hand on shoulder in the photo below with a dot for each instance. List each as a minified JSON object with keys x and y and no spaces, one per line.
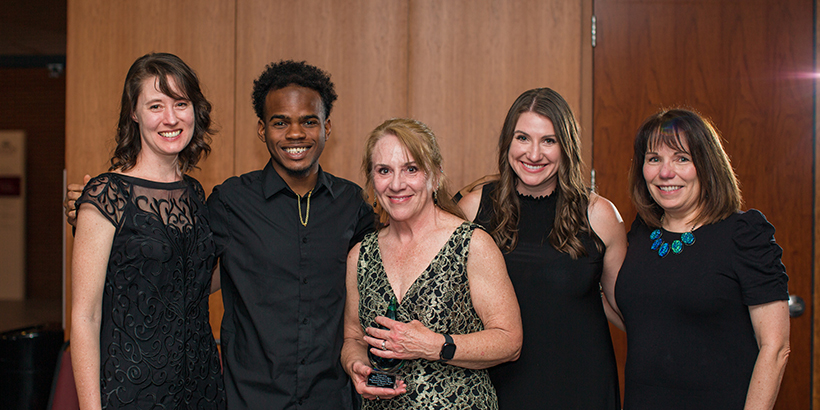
{"x":72,"y":194}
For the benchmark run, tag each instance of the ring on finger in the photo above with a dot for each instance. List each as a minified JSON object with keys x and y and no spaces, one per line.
{"x":383,"y":346}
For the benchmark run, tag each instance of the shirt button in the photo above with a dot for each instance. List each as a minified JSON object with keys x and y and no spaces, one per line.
{"x":303,"y":361}
{"x":304,"y":240}
{"x":305,"y":321}
{"x":304,"y":281}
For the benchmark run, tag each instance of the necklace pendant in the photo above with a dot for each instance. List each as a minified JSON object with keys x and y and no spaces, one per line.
{"x":663,"y":250}
{"x":688,"y":238}
{"x":677,"y":246}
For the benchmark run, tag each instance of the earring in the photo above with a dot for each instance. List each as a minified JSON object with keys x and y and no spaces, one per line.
{"x":435,"y":197}
{"x":374,"y":204}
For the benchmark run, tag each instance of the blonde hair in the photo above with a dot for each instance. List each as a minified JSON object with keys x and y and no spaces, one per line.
{"x":421,"y":145}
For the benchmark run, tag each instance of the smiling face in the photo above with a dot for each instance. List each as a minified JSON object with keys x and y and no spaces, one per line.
{"x":535,"y":155}
{"x":401,"y":187}
{"x":672,"y":180}
{"x":294,"y":130}
{"x":166,"y":124}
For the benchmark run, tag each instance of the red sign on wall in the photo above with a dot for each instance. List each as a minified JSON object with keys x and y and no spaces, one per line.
{"x":9,"y":186}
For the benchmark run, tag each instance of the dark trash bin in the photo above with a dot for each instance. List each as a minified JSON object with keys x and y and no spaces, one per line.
{"x":27,"y":360}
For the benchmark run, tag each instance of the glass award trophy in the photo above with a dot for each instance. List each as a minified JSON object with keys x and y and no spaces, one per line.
{"x":384,"y":370}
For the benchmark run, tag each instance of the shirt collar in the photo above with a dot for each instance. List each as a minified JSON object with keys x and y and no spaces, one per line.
{"x":272,"y":182}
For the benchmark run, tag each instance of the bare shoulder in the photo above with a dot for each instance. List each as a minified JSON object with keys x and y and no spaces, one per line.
{"x":353,"y":254}
{"x":606,"y":221}
{"x":483,"y":243}
{"x":602,"y":209}
{"x":470,"y":203}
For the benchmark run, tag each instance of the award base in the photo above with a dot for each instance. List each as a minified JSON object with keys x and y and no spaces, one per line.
{"x":382,"y":379}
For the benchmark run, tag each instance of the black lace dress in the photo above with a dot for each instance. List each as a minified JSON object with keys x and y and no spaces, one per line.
{"x":440,"y":299}
{"x":156,"y":345}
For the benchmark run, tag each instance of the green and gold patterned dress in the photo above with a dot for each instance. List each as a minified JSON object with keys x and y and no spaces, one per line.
{"x":440,"y":299}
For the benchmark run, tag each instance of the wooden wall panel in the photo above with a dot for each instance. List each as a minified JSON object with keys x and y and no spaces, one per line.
{"x":361,"y":43}
{"x":456,"y":66}
{"x":105,"y":37}
{"x":471,"y":59}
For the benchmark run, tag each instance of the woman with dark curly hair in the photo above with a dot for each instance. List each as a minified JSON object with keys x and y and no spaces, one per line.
{"x":562,"y":244}
{"x":144,"y":253}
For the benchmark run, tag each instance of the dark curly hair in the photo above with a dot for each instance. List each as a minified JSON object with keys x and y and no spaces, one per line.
{"x":162,"y":66}
{"x":284,"y":73}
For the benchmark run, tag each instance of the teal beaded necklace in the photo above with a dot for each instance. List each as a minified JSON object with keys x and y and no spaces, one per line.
{"x":663,"y":248}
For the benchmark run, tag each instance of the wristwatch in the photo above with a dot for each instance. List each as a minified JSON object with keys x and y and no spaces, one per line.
{"x":448,"y":349}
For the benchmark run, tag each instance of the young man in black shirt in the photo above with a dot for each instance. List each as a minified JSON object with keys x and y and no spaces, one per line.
{"x":282,"y":235}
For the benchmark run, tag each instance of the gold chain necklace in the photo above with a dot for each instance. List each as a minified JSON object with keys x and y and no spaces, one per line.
{"x":307,"y":211}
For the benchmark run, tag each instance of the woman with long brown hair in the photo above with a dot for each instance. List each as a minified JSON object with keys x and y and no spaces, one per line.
{"x":562,"y":244}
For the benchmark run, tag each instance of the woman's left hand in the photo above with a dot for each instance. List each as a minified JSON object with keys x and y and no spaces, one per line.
{"x":406,"y":341}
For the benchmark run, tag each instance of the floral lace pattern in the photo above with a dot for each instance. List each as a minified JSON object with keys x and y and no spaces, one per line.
{"x":440,"y":299}
{"x":156,"y":345}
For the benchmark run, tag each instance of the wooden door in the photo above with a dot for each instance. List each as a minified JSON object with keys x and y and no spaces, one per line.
{"x":739,"y":63}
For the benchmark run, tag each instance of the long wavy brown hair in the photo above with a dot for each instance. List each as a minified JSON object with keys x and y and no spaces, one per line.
{"x":573,"y":195}
{"x":162,"y":66}
{"x":421,"y":145}
{"x":719,"y":195}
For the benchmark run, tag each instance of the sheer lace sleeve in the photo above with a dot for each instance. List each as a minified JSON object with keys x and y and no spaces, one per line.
{"x":757,"y":264}
{"x":108,"y":193}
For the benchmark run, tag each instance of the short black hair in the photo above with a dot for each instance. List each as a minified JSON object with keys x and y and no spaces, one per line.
{"x":286,"y":72}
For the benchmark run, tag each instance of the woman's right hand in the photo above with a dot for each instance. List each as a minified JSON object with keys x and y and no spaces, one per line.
{"x":359,"y":373}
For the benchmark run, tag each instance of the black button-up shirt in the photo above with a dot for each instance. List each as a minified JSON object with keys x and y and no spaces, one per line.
{"x":283,"y":288}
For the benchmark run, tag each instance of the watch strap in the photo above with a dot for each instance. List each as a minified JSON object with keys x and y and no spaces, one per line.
{"x":448,"y":349}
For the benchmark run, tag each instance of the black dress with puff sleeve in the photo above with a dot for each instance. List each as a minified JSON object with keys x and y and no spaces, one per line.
{"x":690,"y":341}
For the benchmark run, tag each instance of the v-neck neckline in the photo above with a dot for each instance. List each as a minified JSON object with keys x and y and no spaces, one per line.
{"x":424,"y":271}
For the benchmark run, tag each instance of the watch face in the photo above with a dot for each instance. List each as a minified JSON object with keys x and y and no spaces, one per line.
{"x":448,"y":351}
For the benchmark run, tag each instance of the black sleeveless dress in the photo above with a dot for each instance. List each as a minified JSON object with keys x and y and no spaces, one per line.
{"x":157,"y":350}
{"x":567,"y":360}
